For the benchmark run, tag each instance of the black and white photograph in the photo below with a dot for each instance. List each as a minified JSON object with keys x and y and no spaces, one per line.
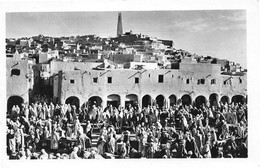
{"x":127,"y":84}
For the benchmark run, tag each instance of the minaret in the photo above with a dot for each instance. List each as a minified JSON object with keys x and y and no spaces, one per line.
{"x":119,"y":25}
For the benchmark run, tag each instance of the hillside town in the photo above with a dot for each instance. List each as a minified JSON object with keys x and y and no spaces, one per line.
{"x":129,"y":96}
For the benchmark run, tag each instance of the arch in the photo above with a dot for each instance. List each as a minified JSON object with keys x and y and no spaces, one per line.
{"x":200,"y":100}
{"x":113,"y":100}
{"x":14,"y":100}
{"x":238,"y":99}
{"x":224,"y":99}
{"x":95,"y":100}
{"x":172,"y":100}
{"x":160,"y":100}
{"x":213,"y":99}
{"x":186,"y":99}
{"x":72,"y":100}
{"x":146,"y":101}
{"x":131,"y":99}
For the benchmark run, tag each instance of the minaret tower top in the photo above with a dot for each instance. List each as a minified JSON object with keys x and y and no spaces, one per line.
{"x":119,"y":25}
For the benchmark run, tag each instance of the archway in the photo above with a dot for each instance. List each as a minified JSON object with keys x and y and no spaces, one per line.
{"x":113,"y":100}
{"x":160,"y":100}
{"x":14,"y":100}
{"x":146,"y":101}
{"x":238,"y":99}
{"x":224,"y":99}
{"x":199,"y":101}
{"x":73,"y":100}
{"x":213,"y":99}
{"x":95,"y":100}
{"x":131,"y":99}
{"x":173,"y":100}
{"x":186,"y":99}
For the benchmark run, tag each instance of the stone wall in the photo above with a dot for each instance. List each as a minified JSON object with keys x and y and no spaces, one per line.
{"x":175,"y":82}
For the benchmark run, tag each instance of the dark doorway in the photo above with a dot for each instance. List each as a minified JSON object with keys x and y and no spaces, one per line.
{"x":146,"y":101}
{"x":173,"y":100}
{"x":160,"y":101}
{"x":186,"y":100}
{"x":73,"y":100}
{"x":213,"y":100}
{"x":14,"y":100}
{"x":224,"y":99}
{"x":238,"y":99}
{"x":131,"y":99}
{"x":199,"y":101}
{"x":95,"y":100}
{"x":113,"y":100}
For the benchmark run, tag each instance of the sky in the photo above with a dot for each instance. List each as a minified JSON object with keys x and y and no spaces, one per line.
{"x":217,"y":33}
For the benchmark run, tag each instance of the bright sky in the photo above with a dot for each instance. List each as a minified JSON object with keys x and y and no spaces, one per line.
{"x":218,"y":33}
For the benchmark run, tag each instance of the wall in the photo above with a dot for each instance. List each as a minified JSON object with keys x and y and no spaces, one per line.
{"x":121,"y":58}
{"x":56,"y":66}
{"x":138,"y":58}
{"x":43,"y":57}
{"x":200,"y":67}
{"x":145,"y":65}
{"x":198,"y":71}
{"x":233,"y":85}
{"x":17,"y":85}
{"x":123,"y":83}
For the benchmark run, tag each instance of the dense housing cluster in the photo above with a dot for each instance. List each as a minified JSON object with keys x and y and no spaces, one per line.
{"x":119,"y":74}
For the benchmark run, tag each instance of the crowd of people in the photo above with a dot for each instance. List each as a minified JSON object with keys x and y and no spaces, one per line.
{"x":62,"y":131}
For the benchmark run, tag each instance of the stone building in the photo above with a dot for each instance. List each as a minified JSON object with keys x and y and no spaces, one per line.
{"x":19,"y":80}
{"x":192,"y":83}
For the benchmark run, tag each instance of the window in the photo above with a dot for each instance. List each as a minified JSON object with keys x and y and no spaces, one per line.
{"x":72,"y":81}
{"x":240,"y":80}
{"x":172,"y":76}
{"x":15,"y":72}
{"x":201,"y":81}
{"x":9,"y":55}
{"x":187,"y":81}
{"x":149,"y":75}
{"x":213,"y":81}
{"x":95,"y":80}
{"x":225,"y":82}
{"x":109,"y":80}
{"x":160,"y":78}
{"x":136,"y":80}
